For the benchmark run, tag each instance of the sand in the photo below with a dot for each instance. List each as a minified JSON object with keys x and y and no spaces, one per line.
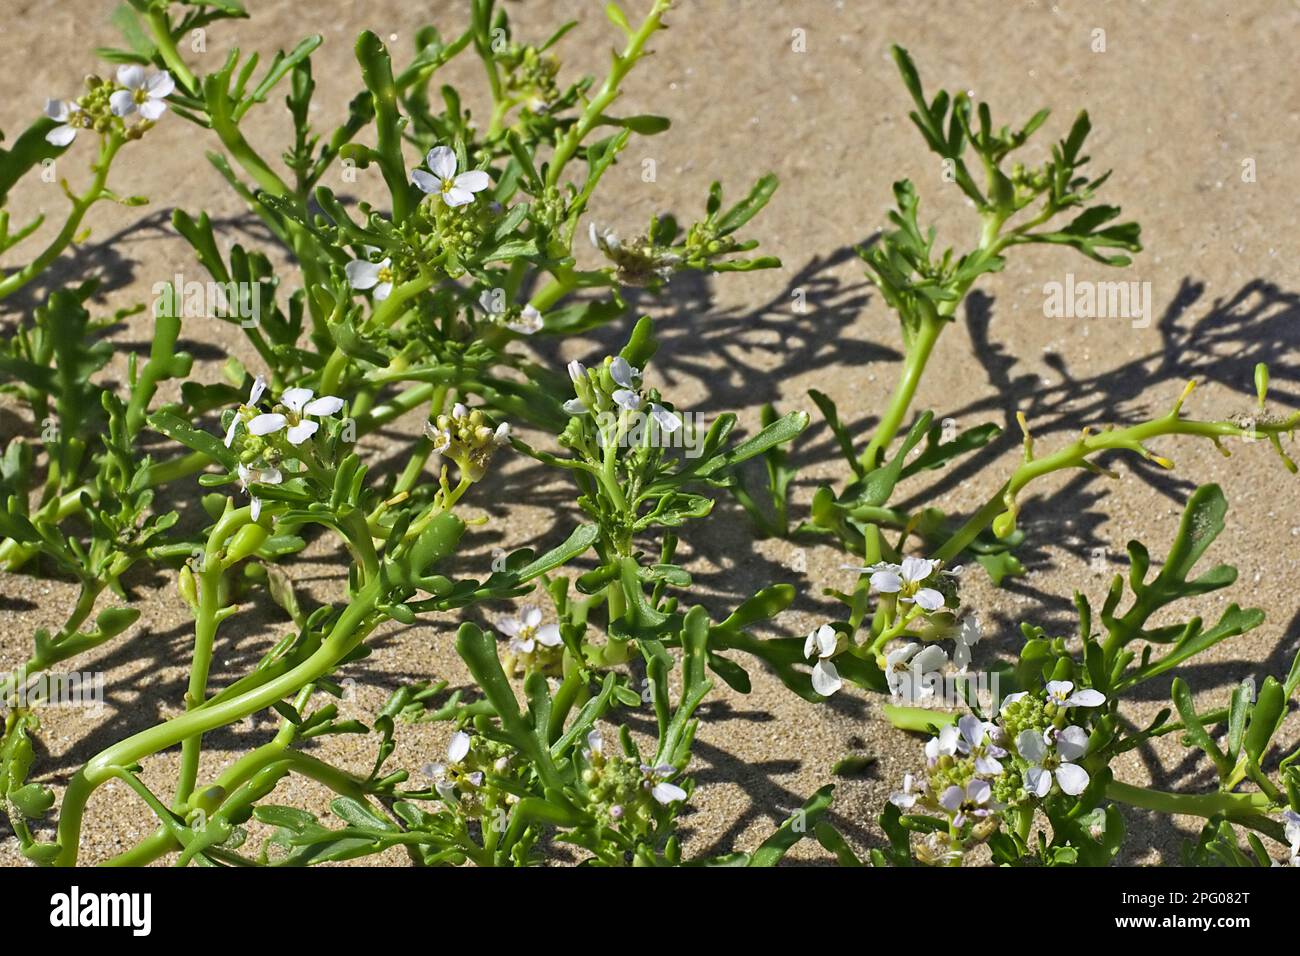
{"x":1183,"y":95}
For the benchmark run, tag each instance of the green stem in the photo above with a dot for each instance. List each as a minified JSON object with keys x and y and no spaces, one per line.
{"x":918,"y":354}
{"x":1190,"y":804}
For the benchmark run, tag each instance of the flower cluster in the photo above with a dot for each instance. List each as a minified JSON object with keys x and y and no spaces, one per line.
{"x":467,"y":439}
{"x":465,"y":780}
{"x":249,"y":430}
{"x":107,"y":105}
{"x":614,"y":386}
{"x":636,"y":263}
{"x":624,"y":792}
{"x":977,"y":768}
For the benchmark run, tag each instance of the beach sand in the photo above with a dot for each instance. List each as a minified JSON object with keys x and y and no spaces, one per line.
{"x":1184,"y":94}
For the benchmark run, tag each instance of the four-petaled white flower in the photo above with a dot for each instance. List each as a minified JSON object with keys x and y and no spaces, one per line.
{"x":1062,"y":694}
{"x":979,"y":738}
{"x":457,"y":751}
{"x":971,"y":801}
{"x":442,"y":179}
{"x":906,"y":668}
{"x":363,"y":274}
{"x":906,"y":798}
{"x":144,"y":93}
{"x":905,"y":580}
{"x":529,"y":321}
{"x":300,"y":403}
{"x":524,"y":632}
{"x":657,"y":783}
{"x":1053,"y":753}
{"x":821,"y":644}
{"x":61,"y":112}
{"x":261,"y":476}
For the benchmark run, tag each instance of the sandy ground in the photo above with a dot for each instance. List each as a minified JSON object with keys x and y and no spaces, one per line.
{"x":1183,"y":94}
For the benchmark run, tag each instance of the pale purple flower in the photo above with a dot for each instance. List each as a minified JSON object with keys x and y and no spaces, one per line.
{"x":527,"y":631}
{"x":1052,"y":754}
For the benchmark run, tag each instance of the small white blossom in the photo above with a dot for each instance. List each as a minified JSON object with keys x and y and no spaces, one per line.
{"x":905,"y":580}
{"x":144,"y":93}
{"x":944,"y":745}
{"x":972,"y":801}
{"x":1052,"y":753}
{"x":656,"y":782}
{"x":457,"y":751}
{"x":979,"y":738}
{"x":1059,"y":693}
{"x":455,"y":190}
{"x":61,"y":112}
{"x":968,"y":635}
{"x":261,"y":476}
{"x":906,"y":798}
{"x":821,"y":644}
{"x":254,"y":394}
{"x":525,"y":633}
{"x":529,"y":321}
{"x":363,"y":274}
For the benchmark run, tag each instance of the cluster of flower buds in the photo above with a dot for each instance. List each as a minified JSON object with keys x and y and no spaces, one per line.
{"x":109,"y":105}
{"x":465,"y":779}
{"x":467,"y":438}
{"x":613,"y":387}
{"x":623,"y":792}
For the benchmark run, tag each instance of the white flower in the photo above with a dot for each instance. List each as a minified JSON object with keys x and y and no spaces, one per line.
{"x":254,"y":394}
{"x":906,"y":798}
{"x":454,"y":190}
{"x":595,"y":744}
{"x":979,"y":738}
{"x":821,"y":644}
{"x":656,"y":782}
{"x":363,"y":274}
{"x":144,"y":93}
{"x":967,"y":637}
{"x":446,"y":774}
{"x":529,"y":321}
{"x":1070,"y":744}
{"x":907,"y":666}
{"x":972,"y":800}
{"x":524,"y":632}
{"x":577,"y":371}
{"x":300,"y":402}
{"x":1059,"y":693}
{"x":61,"y":112}
{"x":606,"y":242}
{"x":261,"y":476}
{"x":905,"y":579}
{"x":944,"y":745}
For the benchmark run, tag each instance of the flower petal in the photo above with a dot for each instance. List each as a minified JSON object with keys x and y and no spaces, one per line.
{"x":1073,"y":779}
{"x":549,"y":635}
{"x":622,"y":372}
{"x":61,"y":135}
{"x":825,"y":678}
{"x":1038,"y":781}
{"x":160,"y":84}
{"x":665,"y":419}
{"x":455,"y":197}
{"x":667,"y":793}
{"x":295,"y":398}
{"x":626,"y":398}
{"x":1086,"y":698}
{"x":122,"y":103}
{"x":297,"y":434}
{"x":575,"y":406}
{"x":951,"y":798}
{"x":473,"y":181}
{"x":929,"y":599}
{"x":230,"y":432}
{"x":1029,"y":744}
{"x":1072,"y":743}
{"x":362,"y":274}
{"x":266,"y":424}
{"x":325,"y":405}
{"x":458,"y":748}
{"x":441,"y":162}
{"x":152,"y":109}
{"x":424,"y":182}
{"x":886,"y":582}
{"x":130,"y":75}
{"x":915,"y":570}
